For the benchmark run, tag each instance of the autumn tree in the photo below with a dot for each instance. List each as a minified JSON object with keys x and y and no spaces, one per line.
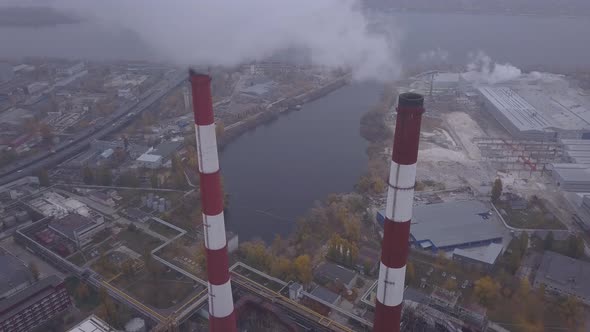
{"x":450,"y":284}
{"x":549,"y":240}
{"x":410,"y":273}
{"x":34,"y":271}
{"x":497,"y":190}
{"x":82,"y":292}
{"x":342,"y":250}
{"x":128,"y":179}
{"x":575,"y":246}
{"x":154,"y":180}
{"x":219,"y":130}
{"x":302,"y":268}
{"x":201,"y":258}
{"x":441,"y":259}
{"x":281,"y":268}
{"x":572,"y":312}
{"x":88,"y":175}
{"x":256,"y":254}
{"x":46,"y":133}
{"x":108,"y":309}
{"x":373,"y":126}
{"x":278,"y":245}
{"x":523,"y":242}
{"x":486,"y":291}
{"x":127,"y":268}
{"x":105,"y":176}
{"x":43,"y":178}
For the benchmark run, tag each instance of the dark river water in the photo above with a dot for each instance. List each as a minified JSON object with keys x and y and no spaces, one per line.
{"x":275,"y":173}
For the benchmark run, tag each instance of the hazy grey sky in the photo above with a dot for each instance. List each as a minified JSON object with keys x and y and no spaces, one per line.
{"x":229,"y":32}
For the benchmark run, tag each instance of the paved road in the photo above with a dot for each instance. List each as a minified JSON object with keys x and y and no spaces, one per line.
{"x":120,"y":118}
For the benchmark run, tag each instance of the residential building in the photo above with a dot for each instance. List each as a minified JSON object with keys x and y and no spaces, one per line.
{"x":34,"y":305}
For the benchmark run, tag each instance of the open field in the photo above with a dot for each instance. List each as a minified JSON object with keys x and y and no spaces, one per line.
{"x":138,"y":241}
{"x":535,"y":216}
{"x":163,"y":292}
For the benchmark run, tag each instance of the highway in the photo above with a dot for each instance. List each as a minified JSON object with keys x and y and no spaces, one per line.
{"x":115,"y":122}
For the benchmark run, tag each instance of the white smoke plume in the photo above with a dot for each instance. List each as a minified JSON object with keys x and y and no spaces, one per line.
{"x":335,"y":33}
{"x":482,"y":69}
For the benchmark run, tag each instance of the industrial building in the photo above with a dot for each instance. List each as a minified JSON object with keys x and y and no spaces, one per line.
{"x":92,"y":324}
{"x":68,"y":71}
{"x":325,"y":295}
{"x":53,"y":204}
{"x":482,"y":258}
{"x":564,"y":275}
{"x":548,"y":119}
{"x":78,"y":228}
{"x":156,"y":157}
{"x":577,"y":151}
{"x":6,"y":72}
{"x":14,"y":275}
{"x":572,"y":177}
{"x":34,"y":305}
{"x":447,"y":226}
{"x":148,"y":160}
{"x":331,"y":272}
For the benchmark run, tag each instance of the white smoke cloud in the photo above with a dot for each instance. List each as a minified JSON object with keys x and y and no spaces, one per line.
{"x":434,"y":56}
{"x":482,"y":69}
{"x":335,"y":33}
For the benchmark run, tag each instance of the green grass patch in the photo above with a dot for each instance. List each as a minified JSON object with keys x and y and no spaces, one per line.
{"x":77,"y":259}
{"x":138,"y":241}
{"x":535,"y":216}
{"x":162,"y":229}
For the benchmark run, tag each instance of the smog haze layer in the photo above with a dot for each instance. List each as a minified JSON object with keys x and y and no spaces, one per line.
{"x":333,"y":33}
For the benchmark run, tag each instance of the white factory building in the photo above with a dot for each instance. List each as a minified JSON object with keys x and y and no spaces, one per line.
{"x":543,"y":111}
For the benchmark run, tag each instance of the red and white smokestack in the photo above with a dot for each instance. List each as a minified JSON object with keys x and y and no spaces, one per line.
{"x":221,"y":306}
{"x":398,"y":213}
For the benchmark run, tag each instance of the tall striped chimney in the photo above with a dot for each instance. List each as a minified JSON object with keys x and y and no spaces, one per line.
{"x":221,"y":307}
{"x":398,"y":213}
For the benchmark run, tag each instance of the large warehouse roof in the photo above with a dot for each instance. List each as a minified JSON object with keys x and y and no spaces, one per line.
{"x":567,"y":275}
{"x":454,"y":224}
{"x":522,"y":114}
{"x":538,"y":108}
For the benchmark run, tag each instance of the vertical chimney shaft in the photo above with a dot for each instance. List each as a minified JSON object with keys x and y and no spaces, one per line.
{"x":398,"y":213}
{"x":221,"y":306}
